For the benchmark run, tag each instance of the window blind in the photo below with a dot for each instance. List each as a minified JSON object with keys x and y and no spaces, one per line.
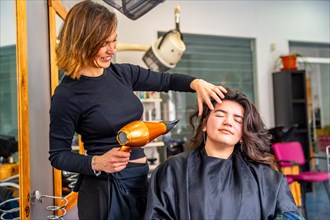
{"x":8,"y":91}
{"x":225,"y":60}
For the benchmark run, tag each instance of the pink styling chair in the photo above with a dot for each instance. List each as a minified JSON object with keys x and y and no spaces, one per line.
{"x":290,"y":154}
{"x":289,"y":179}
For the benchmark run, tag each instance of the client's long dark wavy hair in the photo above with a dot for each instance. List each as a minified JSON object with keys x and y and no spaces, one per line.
{"x":256,"y":146}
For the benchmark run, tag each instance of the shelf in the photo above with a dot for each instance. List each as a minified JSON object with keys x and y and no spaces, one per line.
{"x":291,"y":105}
{"x":150,"y":100}
{"x":301,"y":131}
{"x":299,"y":101}
{"x":155,"y":144}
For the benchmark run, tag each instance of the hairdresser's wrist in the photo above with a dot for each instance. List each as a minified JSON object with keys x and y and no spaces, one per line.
{"x":193,"y":84}
{"x":94,"y":163}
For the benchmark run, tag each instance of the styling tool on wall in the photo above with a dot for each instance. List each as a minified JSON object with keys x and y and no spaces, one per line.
{"x":9,"y":204}
{"x":69,"y":180}
{"x":38,"y":196}
{"x":140,"y":133}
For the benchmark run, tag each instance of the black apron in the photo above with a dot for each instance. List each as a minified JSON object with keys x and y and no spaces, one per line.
{"x":114,"y":196}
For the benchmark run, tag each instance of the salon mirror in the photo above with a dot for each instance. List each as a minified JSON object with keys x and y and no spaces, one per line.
{"x":9,"y":161}
{"x":14,"y":145}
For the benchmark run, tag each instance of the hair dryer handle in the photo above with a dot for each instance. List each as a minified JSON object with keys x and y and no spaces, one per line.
{"x":125,"y":148}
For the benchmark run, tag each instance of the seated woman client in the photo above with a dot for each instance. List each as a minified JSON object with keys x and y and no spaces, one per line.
{"x":229,"y":174}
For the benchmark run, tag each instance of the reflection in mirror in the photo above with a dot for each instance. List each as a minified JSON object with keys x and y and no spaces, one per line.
{"x":9,"y":166}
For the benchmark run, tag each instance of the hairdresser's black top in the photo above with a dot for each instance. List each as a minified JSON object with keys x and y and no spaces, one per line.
{"x":97,"y":107}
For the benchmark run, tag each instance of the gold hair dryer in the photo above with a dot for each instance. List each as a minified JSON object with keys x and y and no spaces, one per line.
{"x":139,"y":133}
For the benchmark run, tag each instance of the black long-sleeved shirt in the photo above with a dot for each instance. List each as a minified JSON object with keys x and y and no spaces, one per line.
{"x":97,"y":107}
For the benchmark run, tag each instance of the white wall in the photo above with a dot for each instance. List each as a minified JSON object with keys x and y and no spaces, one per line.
{"x":7,"y":23}
{"x":41,"y":171}
{"x":269,"y":22}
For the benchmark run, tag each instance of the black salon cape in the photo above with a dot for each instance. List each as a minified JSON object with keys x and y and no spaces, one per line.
{"x":192,"y":185}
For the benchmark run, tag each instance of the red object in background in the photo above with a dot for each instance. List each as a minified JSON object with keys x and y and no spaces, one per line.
{"x":289,"y":62}
{"x":324,"y":141}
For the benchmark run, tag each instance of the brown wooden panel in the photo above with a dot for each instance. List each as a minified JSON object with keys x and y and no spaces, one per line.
{"x":52,"y":46}
{"x":58,"y":7}
{"x":23,"y":110}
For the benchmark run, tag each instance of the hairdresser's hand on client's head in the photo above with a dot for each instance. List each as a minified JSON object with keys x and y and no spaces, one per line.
{"x":205,"y":91}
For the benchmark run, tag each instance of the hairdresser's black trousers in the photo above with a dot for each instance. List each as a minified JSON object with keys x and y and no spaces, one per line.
{"x":121,"y":195}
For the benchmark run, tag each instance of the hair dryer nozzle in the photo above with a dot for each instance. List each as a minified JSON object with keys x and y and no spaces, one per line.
{"x":170,"y":124}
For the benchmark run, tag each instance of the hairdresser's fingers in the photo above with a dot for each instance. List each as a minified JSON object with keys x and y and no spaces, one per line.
{"x":116,"y":152}
{"x":205,"y":91}
{"x":120,"y":168}
{"x":113,"y":156}
{"x":208,"y":102}
{"x":217,"y":93}
{"x":200,"y":106}
{"x":208,"y":94}
{"x":219,"y":90}
{"x":115,"y":168}
{"x":215,"y":96}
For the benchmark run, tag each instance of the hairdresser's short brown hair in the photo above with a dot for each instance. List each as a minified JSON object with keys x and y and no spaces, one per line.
{"x":85,"y":29}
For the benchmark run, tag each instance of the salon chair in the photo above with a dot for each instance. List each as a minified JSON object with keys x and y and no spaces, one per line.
{"x":290,"y":154}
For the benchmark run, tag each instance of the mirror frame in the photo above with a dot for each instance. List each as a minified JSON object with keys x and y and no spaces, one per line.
{"x":23,"y":109}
